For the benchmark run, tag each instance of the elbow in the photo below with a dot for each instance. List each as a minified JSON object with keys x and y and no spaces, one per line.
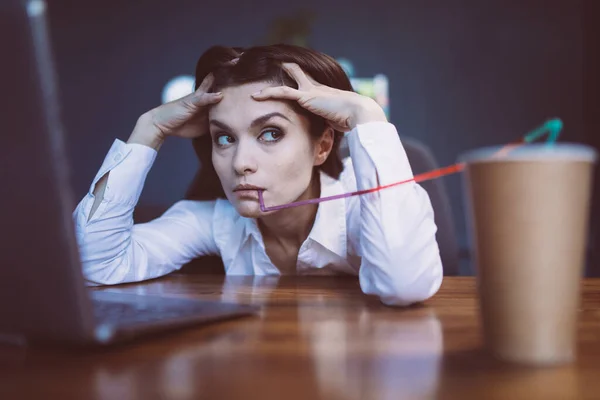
{"x":109,"y":271}
{"x":113,"y":265}
{"x":103,"y":274}
{"x":403,"y":295}
{"x":401,"y":288}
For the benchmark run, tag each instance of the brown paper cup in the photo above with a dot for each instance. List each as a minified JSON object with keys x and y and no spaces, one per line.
{"x":528,"y":214}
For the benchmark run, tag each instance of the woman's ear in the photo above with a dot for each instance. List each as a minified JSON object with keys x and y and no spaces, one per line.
{"x":323,"y":145}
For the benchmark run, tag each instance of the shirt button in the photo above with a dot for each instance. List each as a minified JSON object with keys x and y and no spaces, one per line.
{"x":118,"y":157}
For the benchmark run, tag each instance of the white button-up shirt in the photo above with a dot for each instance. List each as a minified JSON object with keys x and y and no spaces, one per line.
{"x":387,"y":238}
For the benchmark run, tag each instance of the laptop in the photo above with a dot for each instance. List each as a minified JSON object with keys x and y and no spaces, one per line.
{"x":43,"y":295}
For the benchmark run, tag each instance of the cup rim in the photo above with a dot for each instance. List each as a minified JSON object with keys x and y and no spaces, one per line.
{"x":532,"y":152}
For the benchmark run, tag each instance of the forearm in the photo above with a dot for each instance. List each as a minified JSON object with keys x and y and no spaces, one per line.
{"x":98,"y":194}
{"x":400,"y":255}
{"x":144,"y":133}
{"x":104,"y":217}
{"x":399,"y":251}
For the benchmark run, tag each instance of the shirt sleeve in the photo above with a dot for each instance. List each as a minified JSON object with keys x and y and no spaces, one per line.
{"x":115,"y":250}
{"x":394,"y":228}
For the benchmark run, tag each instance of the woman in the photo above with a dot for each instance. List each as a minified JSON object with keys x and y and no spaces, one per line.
{"x":268,"y":119}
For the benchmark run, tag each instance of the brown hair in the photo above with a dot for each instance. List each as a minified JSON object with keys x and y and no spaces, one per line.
{"x":263,"y":64}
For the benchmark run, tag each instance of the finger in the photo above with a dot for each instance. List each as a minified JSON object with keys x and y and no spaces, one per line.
{"x":199,"y":99}
{"x":297,"y":74}
{"x":206,"y":83}
{"x":210,"y":98}
{"x":279,"y":92}
{"x":207,"y":98}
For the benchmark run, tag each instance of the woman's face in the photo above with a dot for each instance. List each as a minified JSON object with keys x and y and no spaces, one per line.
{"x":260,"y":144}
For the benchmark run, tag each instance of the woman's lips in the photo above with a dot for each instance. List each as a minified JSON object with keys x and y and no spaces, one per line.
{"x":246,"y":186}
{"x":246,"y":193}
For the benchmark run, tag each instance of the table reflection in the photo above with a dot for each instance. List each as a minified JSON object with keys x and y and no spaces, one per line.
{"x":305,"y":340}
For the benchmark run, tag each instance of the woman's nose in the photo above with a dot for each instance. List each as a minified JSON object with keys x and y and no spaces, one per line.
{"x":244,"y":161}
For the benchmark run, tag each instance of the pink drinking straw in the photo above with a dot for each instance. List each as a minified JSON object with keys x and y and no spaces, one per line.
{"x":552,"y":127}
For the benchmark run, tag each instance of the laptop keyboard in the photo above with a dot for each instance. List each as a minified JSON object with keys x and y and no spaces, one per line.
{"x":119,"y":313}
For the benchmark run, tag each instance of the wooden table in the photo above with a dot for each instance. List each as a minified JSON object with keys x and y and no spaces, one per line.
{"x":315,"y":338}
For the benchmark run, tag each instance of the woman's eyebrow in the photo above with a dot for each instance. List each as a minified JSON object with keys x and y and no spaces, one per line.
{"x":266,"y":117}
{"x":258,"y":121}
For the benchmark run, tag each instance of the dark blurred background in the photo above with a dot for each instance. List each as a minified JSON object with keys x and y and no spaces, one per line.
{"x":462,"y":74}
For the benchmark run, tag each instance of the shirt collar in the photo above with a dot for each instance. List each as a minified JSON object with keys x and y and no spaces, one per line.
{"x":329,"y":228}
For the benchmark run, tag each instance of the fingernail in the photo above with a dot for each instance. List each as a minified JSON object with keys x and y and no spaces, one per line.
{"x":256,"y":93}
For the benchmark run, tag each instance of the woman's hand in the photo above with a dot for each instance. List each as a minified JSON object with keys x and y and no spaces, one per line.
{"x":342,"y":109}
{"x":185,"y":117}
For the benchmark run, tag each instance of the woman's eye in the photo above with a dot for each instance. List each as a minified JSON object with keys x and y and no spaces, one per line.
{"x":271,"y":135}
{"x":224,"y":140}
